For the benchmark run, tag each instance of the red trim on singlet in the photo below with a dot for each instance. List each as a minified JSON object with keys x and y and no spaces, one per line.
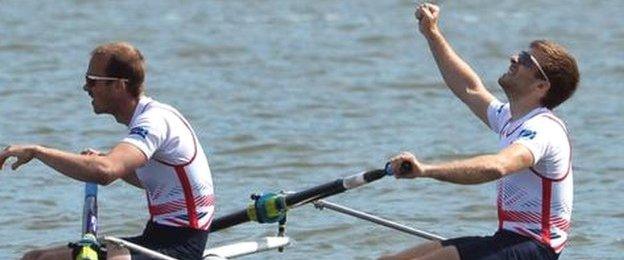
{"x":190,"y":202}
{"x":545,"y":218}
{"x":173,"y":206}
{"x":546,"y":201}
{"x":188,"y":196}
{"x":177,"y":222}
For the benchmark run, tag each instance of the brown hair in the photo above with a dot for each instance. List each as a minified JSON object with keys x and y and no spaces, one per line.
{"x":124,"y":61}
{"x":561,"y":69}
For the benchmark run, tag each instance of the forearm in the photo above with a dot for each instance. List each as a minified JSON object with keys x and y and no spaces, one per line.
{"x":457,"y":74}
{"x":475,"y":170}
{"x":80,"y":167}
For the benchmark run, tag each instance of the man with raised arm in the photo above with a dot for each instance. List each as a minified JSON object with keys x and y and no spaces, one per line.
{"x":533,"y":169}
{"x":160,"y":153}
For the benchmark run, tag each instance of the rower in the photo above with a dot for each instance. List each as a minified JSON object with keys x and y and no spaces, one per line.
{"x":161,"y":154}
{"x":533,"y":169}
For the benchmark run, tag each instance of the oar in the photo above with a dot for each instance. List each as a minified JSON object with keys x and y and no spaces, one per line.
{"x":88,"y":246}
{"x":306,"y":196}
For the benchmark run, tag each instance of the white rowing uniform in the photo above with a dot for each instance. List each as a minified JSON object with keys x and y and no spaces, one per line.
{"x":536,"y":202}
{"x":176,"y":177}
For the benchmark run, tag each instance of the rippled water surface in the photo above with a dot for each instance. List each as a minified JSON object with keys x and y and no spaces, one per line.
{"x":290,"y":94}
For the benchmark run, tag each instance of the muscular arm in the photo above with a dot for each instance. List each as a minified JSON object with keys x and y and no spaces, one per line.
{"x":483,"y":168}
{"x":457,"y":74}
{"x":122,"y":160}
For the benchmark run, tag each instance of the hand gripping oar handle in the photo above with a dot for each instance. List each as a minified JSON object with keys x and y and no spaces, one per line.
{"x":405,"y":168}
{"x":305,"y":196}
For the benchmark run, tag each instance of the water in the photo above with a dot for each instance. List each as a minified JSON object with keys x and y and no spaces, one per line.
{"x":290,"y":94}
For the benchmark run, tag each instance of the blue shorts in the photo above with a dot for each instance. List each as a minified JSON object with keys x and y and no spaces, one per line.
{"x":177,"y":242}
{"x":502,"y":245}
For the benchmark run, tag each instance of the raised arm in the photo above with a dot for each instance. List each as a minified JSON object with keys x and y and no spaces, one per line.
{"x":457,"y":74}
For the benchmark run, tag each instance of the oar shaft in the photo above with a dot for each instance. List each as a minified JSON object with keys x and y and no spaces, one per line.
{"x":305,"y":196}
{"x":89,"y":211}
{"x":375,"y":219}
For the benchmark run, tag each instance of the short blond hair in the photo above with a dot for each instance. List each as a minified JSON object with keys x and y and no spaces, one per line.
{"x":124,"y":61}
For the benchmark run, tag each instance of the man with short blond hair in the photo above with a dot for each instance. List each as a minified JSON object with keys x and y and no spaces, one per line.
{"x":533,"y":169}
{"x":160,"y":153}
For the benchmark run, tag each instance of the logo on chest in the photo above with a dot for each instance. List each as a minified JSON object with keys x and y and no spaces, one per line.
{"x":527,"y":134}
{"x":140,"y":131}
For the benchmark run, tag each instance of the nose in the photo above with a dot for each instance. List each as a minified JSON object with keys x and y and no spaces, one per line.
{"x":513,"y":58}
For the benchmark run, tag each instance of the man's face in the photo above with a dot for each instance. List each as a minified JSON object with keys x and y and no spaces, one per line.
{"x":523,"y":73}
{"x":99,"y":90}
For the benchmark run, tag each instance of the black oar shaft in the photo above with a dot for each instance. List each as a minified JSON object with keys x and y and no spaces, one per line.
{"x":303,"y":197}
{"x":230,"y":220}
{"x":318,"y":192}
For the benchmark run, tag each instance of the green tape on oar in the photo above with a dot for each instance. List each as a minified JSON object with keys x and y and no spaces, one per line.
{"x":267,"y":208}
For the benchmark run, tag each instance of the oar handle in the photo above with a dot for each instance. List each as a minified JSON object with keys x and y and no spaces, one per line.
{"x":405,"y":167}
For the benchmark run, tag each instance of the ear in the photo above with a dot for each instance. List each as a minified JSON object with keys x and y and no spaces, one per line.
{"x":543,"y":86}
{"x":120,"y":86}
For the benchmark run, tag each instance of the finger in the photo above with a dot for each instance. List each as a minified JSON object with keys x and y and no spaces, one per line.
{"x":88,"y":151}
{"x":393,"y":165}
{"x":434,"y":9}
{"x":427,"y":13}
{"x":405,"y":156}
{"x":419,"y":11}
{"x":19,"y":163}
{"x":3,"y":157}
{"x":418,"y":14}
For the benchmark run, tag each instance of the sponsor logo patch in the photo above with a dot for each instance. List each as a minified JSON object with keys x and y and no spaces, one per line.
{"x":527,"y":134}
{"x":140,"y":131}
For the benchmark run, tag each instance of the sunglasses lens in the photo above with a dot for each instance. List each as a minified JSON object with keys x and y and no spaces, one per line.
{"x":525,"y":59}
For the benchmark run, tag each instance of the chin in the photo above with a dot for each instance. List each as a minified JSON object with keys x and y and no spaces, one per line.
{"x":97,"y":111}
{"x":502,"y":82}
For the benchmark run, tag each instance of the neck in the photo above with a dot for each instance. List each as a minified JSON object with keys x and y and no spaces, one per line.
{"x":125,"y":110}
{"x":519,"y":108}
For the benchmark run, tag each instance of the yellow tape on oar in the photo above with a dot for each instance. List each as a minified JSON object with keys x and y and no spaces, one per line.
{"x":86,"y":249}
{"x":87,"y":253}
{"x":267,"y":208}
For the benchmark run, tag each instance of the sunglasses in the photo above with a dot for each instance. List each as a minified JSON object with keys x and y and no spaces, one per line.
{"x":91,"y":80}
{"x":528,"y":60}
